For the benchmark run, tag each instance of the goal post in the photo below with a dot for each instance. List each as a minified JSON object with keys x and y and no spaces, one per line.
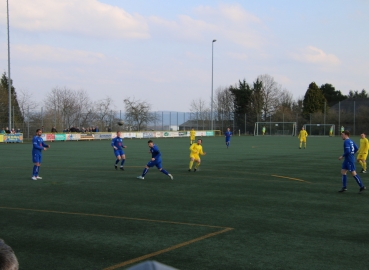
{"x":275,"y":128}
{"x":320,"y":129}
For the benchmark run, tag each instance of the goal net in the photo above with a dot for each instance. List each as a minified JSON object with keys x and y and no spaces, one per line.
{"x":320,"y":129}
{"x":275,"y":128}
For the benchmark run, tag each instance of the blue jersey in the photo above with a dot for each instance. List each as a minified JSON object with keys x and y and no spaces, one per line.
{"x":155,"y":153}
{"x":38,"y":145}
{"x":118,"y":143}
{"x":228,"y":135}
{"x":349,"y":150}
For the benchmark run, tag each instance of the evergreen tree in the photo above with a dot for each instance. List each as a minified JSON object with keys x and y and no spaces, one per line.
{"x":4,"y":102}
{"x":332,"y":95}
{"x":313,"y":100}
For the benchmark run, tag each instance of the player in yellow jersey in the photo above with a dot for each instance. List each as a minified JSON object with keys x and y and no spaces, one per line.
{"x":264,"y":129}
{"x":363,"y":152}
{"x":192,"y":136}
{"x":331,"y":131}
{"x":196,"y":151}
{"x":302,"y":136}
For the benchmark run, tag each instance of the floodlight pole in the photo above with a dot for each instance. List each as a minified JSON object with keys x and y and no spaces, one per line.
{"x":9,"y":80}
{"x":212,"y":78}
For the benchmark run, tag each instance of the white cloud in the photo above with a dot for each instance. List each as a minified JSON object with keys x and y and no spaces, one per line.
{"x":55,"y":55}
{"x":226,"y":22}
{"x":82,"y":17}
{"x":315,"y":55}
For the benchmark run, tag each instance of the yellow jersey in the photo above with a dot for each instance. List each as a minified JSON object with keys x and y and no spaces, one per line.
{"x":303,"y":134}
{"x":192,"y":135}
{"x":364,"y":146}
{"x":196,"y":149}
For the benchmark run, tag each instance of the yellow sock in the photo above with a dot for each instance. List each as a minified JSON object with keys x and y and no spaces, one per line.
{"x":191,"y":164}
{"x":300,"y":144}
{"x":197,"y":165}
{"x":364,"y":165}
{"x":305,"y":145}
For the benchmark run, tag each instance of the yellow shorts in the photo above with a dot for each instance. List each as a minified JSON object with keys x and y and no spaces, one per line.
{"x":362,"y":156}
{"x":303,"y":140}
{"x":195,"y":157}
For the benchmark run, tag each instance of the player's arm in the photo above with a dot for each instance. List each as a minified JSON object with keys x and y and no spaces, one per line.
{"x":113,"y":144}
{"x":45,"y":145}
{"x":156,"y":154}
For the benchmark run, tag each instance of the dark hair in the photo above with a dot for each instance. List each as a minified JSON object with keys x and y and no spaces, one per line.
{"x":150,"y":141}
{"x":37,"y":130}
{"x":346,"y":132}
{"x":199,"y":140}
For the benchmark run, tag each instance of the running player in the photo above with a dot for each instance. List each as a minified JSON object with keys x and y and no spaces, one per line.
{"x":264,"y":129}
{"x":363,"y":152}
{"x":117,"y":144}
{"x":38,"y":146}
{"x":196,"y":151}
{"x":349,"y":148}
{"x":227,"y":136}
{"x":302,"y":136}
{"x":192,"y":136}
{"x":155,"y":161}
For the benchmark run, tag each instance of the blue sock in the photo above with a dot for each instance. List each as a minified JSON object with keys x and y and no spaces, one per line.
{"x":37,"y":171}
{"x":145,"y":172}
{"x":34,"y":172}
{"x":121,"y":164}
{"x":344,"y":181}
{"x":358,"y":180}
{"x":164,"y":171}
{"x":117,"y":161}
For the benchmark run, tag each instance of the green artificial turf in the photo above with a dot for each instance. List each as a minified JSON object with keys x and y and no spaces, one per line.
{"x":261,"y":204}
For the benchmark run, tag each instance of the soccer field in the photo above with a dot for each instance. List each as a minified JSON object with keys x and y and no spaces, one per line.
{"x":261,"y":204}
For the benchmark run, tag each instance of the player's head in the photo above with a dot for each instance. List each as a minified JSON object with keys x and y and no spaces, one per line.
{"x":38,"y":132}
{"x":150,"y":143}
{"x":362,"y":135}
{"x":118,"y":133}
{"x":345,"y":134}
{"x":228,"y":129}
{"x":302,"y":128}
{"x":8,"y":260}
{"x":199,"y":141}
{"x":192,"y":128}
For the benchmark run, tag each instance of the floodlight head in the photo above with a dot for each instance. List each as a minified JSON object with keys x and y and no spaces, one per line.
{"x":214,"y":40}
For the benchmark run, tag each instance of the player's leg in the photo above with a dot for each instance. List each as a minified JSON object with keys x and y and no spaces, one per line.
{"x":146,"y":169}
{"x":305,"y":144}
{"x":158,"y":165}
{"x":198,"y":162}
{"x":300,"y":144}
{"x":191,"y":163}
{"x":123,"y":158}
{"x":364,"y":163}
{"x":356,"y":177}
{"x":117,"y":156}
{"x":344,"y":179}
{"x":360,"y":160}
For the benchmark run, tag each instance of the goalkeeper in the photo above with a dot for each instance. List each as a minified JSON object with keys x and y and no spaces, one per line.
{"x":363,"y":152}
{"x":302,"y":136}
{"x":196,"y":151}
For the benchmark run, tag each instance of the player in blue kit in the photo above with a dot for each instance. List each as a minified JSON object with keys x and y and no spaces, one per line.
{"x":38,"y":146}
{"x":227,"y":136}
{"x":117,"y":144}
{"x":155,"y":161}
{"x":349,"y":150}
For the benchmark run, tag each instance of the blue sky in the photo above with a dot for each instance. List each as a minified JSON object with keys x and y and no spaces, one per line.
{"x":160,"y":51}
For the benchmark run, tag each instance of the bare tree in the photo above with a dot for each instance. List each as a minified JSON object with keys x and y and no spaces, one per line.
{"x":224,"y":107}
{"x":26,"y":104}
{"x":270,"y":91}
{"x":201,"y":112}
{"x":103,"y":111}
{"x":138,"y":113}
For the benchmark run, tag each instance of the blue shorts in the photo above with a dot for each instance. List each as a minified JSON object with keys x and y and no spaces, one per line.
{"x":347,"y":165}
{"x":156,"y":163}
{"x":36,"y":158}
{"x":118,"y":152}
